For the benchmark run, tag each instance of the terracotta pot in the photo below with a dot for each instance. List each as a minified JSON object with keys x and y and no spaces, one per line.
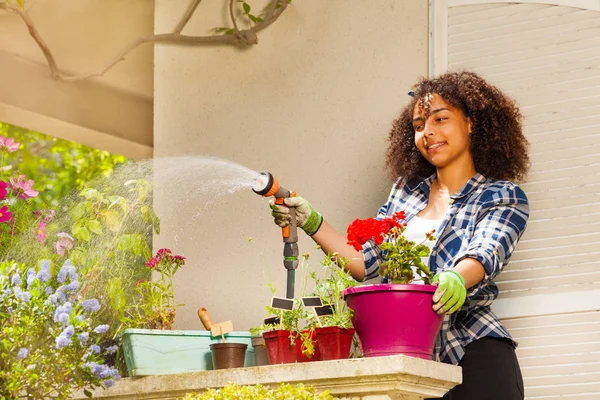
{"x":261,"y":357}
{"x":228,"y":355}
{"x":300,"y":356}
{"x":334,"y":342}
{"x":280,"y":348}
{"x":394,"y":319}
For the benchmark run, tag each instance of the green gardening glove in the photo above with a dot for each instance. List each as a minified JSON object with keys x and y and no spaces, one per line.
{"x":450,"y":294}
{"x":306,"y":217}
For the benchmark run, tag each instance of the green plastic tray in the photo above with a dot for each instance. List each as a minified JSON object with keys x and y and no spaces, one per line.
{"x":157,"y":352}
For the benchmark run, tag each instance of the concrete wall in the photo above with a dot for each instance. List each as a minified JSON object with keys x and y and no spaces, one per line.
{"x":312,"y":103}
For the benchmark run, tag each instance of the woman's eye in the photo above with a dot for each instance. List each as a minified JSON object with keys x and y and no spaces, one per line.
{"x":440,"y":119}
{"x":418,"y":128}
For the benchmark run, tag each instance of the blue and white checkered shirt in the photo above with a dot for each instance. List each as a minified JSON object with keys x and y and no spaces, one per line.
{"x":485,"y":221}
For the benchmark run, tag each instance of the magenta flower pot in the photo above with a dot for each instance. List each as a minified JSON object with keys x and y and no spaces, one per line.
{"x":394,"y":319}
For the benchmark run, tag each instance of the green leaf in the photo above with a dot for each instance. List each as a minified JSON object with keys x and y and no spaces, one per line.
{"x":80,"y":210}
{"x":116,"y":295}
{"x":80,"y":231}
{"x":422,"y":250}
{"x":146,"y":252}
{"x":95,"y":226}
{"x":255,"y":19}
{"x":124,"y":242}
{"x":246,"y":7}
{"x":91,"y":194}
{"x":112,"y":219}
{"x":114,"y":200}
{"x":156,"y":225}
{"x":88,"y":394}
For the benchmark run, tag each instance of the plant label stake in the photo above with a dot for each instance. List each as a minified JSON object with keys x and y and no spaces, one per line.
{"x":312,"y":302}
{"x":282,"y":304}
{"x":221,"y":329}
{"x":322,"y":311}
{"x":272,"y":320}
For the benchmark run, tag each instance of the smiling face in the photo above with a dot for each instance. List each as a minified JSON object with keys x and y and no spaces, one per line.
{"x":442,"y":133}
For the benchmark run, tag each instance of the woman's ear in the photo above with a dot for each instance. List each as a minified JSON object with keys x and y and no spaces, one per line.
{"x":469,"y":125}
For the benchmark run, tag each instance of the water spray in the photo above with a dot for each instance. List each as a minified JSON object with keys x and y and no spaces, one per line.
{"x":267,"y":185}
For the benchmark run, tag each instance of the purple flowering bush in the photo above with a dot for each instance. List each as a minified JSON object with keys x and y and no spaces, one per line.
{"x":49,"y":342}
{"x":106,"y":232}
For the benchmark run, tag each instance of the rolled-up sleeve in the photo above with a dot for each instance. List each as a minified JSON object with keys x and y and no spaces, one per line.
{"x":499,"y":227}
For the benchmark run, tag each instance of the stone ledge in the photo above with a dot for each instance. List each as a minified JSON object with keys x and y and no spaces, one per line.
{"x":391,"y":377}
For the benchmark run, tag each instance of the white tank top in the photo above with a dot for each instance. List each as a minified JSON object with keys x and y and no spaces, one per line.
{"x":415,"y":231}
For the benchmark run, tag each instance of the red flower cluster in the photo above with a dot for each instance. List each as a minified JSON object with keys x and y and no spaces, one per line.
{"x":163,"y":256}
{"x":362,"y":230}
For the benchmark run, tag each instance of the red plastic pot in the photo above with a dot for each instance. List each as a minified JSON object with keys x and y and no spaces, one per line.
{"x":334,"y":342}
{"x":280,"y":348}
{"x":301,"y":357}
{"x":394,"y":319}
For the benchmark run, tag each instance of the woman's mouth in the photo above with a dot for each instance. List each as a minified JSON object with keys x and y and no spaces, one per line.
{"x":435,"y":147}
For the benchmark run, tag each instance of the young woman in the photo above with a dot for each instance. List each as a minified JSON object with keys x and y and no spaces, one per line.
{"x":454,"y":152}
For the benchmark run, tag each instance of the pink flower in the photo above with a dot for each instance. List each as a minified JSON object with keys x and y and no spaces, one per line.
{"x":5,"y":215}
{"x":46,"y":215}
{"x":65,"y":242}
{"x":3,"y":186}
{"x":8,"y":144}
{"x":23,"y":187}
{"x":41,"y":232}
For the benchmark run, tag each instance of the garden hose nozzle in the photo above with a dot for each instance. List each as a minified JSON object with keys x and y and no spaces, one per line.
{"x":267,"y":185}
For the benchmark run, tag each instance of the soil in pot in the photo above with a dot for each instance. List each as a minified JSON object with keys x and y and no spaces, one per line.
{"x":280,"y":348}
{"x":228,"y":355}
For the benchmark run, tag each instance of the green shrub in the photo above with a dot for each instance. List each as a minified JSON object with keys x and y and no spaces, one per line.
{"x":284,"y":391}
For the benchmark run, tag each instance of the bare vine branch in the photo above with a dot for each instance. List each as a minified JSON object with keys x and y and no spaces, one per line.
{"x":235,"y":27}
{"x":186,"y":17}
{"x":244,"y":37}
{"x":13,"y":8}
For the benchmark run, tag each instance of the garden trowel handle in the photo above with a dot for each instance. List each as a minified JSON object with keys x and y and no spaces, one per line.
{"x":205,"y":318}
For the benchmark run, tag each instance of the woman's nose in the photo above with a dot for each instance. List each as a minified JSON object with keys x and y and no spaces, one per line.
{"x":428,"y":130}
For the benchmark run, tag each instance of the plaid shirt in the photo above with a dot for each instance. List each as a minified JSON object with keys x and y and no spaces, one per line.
{"x":485,"y":221}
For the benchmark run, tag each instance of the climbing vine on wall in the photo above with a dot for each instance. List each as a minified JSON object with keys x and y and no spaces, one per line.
{"x":240,"y":12}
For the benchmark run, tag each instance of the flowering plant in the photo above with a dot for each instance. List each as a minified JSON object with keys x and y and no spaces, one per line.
{"x":156,"y":307}
{"x":400,"y":257}
{"x":49,"y":344}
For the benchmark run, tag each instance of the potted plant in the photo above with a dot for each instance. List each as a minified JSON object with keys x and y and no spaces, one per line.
{"x":261,"y":357}
{"x":281,"y":329}
{"x":394,"y":318}
{"x":333,"y":330}
{"x":227,"y":354}
{"x":280,"y":332}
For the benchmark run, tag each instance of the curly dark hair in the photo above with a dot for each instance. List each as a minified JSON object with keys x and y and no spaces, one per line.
{"x":498,"y":145}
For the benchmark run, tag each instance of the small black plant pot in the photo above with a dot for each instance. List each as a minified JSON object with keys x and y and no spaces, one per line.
{"x":228,"y":355}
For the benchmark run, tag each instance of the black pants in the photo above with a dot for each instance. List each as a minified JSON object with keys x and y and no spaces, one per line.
{"x":490,"y":372}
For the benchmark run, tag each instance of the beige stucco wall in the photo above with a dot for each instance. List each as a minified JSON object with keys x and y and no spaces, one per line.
{"x":312,"y":103}
{"x":112,"y":112}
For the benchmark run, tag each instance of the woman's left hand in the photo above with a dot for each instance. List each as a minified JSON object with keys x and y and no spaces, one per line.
{"x":451,"y":292}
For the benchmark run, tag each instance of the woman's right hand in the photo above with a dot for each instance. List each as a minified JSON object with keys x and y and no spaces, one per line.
{"x":307,"y":218}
